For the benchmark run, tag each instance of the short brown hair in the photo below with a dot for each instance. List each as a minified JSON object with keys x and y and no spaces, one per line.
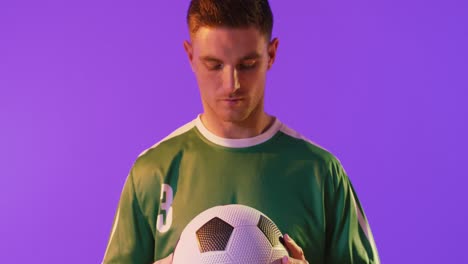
{"x":230,"y":13}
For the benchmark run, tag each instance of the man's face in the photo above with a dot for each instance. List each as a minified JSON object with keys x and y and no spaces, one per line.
{"x":230,"y":66}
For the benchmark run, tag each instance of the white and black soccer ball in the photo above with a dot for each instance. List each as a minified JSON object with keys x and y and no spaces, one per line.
{"x":230,"y":234}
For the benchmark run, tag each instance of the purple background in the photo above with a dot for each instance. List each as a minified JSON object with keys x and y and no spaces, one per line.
{"x":86,"y":85}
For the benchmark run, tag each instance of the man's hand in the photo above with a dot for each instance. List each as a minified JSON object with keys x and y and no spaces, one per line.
{"x":297,"y":255}
{"x":166,"y":260}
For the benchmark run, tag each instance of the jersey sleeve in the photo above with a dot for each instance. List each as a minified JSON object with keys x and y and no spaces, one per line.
{"x":131,"y":239}
{"x":349,"y":237}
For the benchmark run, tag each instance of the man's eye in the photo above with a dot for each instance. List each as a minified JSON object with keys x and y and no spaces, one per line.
{"x":247,"y":65}
{"x":214,"y":66}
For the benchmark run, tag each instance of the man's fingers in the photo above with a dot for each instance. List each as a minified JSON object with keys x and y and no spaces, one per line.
{"x":288,"y":260}
{"x":166,"y":260}
{"x":295,"y":250}
{"x":297,"y":254}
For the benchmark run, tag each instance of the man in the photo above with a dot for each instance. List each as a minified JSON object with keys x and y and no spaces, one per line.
{"x":234,"y":152}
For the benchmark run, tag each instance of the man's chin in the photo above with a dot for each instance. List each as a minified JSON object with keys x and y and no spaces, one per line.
{"x":233,"y":117}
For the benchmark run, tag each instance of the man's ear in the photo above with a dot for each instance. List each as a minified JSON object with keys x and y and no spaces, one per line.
{"x":272,"y":48}
{"x":189,"y":50}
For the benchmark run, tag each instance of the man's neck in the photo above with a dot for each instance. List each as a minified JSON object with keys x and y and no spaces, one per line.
{"x":251,"y":127}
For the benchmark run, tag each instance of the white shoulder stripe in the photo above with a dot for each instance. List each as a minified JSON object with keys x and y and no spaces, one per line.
{"x":361,"y":219}
{"x":116,"y":223}
{"x":175,"y":133}
{"x":112,"y":233}
{"x":293,"y":133}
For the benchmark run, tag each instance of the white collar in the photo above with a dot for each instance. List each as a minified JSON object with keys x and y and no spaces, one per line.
{"x":238,"y":143}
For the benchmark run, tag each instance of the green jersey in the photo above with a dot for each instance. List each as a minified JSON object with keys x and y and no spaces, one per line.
{"x":299,"y":185}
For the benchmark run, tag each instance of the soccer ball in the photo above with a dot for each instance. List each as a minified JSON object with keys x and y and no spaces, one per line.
{"x":230,"y":234}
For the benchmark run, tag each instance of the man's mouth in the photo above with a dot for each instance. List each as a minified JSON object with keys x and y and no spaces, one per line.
{"x":233,"y":99}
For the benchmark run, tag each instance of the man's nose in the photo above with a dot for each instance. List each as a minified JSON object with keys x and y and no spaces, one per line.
{"x":231,"y":80}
